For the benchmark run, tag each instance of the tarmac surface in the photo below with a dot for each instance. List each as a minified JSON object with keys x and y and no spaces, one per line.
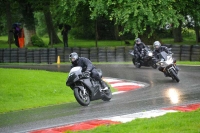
{"x":160,"y":92}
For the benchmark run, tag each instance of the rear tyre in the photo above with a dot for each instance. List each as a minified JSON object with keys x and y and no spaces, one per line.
{"x":174,"y":76}
{"x":82,"y":97}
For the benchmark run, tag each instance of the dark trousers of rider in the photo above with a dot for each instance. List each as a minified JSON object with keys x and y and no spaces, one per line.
{"x":95,"y":75}
{"x":160,"y":69}
{"x":137,"y":58}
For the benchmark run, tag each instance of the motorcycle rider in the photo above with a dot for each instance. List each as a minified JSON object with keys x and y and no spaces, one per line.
{"x":87,"y":67}
{"x":158,"y":49}
{"x":138,"y":50}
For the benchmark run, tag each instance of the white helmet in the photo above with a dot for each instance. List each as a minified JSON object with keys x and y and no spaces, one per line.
{"x":156,"y":45}
{"x":73,"y":57}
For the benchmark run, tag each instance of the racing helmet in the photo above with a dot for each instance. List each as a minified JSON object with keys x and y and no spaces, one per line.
{"x":73,"y":57}
{"x":138,"y":41}
{"x":156,"y":45}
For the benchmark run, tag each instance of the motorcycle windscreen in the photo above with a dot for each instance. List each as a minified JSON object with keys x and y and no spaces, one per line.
{"x":163,"y":55}
{"x":74,"y":75}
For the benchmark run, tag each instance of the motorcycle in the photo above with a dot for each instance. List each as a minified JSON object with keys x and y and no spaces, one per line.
{"x":147,"y":59}
{"x":167,"y":62}
{"x":85,"y":88}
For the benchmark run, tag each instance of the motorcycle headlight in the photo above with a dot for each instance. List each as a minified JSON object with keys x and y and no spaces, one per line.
{"x":150,"y":54}
{"x":169,"y":60}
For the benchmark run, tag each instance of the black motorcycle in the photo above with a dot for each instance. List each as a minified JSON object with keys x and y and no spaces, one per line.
{"x":147,"y":58}
{"x":85,"y":88}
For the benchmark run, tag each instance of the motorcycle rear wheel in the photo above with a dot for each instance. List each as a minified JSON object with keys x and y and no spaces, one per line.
{"x":81,"y":98}
{"x":174,"y":75}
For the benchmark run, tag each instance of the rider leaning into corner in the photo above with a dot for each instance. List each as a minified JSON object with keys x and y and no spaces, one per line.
{"x":139,"y":45}
{"x":87,"y":67}
{"x":158,"y":49}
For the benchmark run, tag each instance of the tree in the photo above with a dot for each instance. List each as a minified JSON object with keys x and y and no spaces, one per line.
{"x":138,"y":17}
{"x":26,"y":9}
{"x":9,"y":22}
{"x":39,"y":6}
{"x":53,"y":38}
{"x":193,"y":6}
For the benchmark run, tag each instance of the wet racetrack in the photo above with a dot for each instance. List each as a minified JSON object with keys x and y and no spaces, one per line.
{"x":161,"y":92}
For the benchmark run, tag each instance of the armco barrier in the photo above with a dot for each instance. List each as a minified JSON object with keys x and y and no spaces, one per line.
{"x":95,"y":54}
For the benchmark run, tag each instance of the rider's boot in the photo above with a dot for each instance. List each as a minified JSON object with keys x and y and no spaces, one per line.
{"x":177,"y":68}
{"x":165,"y":74}
{"x":103,"y":86}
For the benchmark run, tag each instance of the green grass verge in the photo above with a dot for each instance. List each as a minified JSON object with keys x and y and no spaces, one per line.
{"x":188,"y":63}
{"x":24,"y":89}
{"x":71,"y":42}
{"x":180,"y":122}
{"x":91,"y":43}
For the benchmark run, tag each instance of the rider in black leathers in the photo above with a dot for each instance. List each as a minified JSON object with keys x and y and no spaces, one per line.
{"x":138,"y":50}
{"x":157,"y":50}
{"x":87,"y":67}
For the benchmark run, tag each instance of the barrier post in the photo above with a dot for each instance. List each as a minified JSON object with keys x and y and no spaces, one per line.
{"x":58,"y":60}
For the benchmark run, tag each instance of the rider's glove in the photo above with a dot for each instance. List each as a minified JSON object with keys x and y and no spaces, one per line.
{"x":86,"y":74}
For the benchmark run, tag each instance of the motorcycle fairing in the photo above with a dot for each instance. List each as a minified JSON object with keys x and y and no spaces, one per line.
{"x":94,"y":89}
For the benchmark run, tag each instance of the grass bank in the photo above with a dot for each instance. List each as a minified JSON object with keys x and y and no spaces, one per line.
{"x":23,"y":89}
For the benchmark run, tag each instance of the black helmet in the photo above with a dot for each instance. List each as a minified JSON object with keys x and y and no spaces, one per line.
{"x":138,"y":40}
{"x":73,"y":57}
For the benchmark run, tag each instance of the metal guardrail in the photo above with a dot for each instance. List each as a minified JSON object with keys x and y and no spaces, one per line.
{"x":95,"y":54}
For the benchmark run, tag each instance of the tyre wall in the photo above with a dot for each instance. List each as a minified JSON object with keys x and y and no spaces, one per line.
{"x":176,"y":50}
{"x":195,"y":53}
{"x":95,"y":54}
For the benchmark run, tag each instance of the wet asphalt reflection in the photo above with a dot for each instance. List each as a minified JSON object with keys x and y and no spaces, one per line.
{"x":161,"y":92}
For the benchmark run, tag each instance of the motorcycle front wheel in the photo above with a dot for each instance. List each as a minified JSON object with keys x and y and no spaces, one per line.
{"x":133,"y":60}
{"x":174,"y":75}
{"x":82,"y":97}
{"x":154,"y":66}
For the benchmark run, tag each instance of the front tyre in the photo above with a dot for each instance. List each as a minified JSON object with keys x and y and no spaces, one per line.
{"x":137,"y":65}
{"x":174,"y":75}
{"x":133,"y":60}
{"x":82,"y":96}
{"x":154,"y":66}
